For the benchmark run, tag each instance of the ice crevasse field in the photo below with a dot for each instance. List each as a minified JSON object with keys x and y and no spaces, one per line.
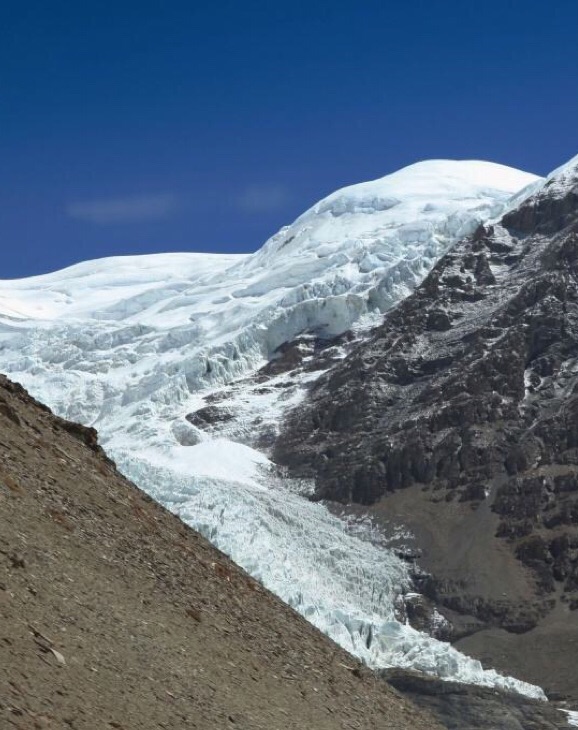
{"x":131,"y":345}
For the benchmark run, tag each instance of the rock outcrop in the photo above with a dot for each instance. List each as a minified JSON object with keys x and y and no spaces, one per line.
{"x":460,"y":706}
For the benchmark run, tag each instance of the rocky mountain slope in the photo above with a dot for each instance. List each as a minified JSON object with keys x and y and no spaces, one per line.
{"x":458,"y":418}
{"x":187,"y":363}
{"x":114,"y":614}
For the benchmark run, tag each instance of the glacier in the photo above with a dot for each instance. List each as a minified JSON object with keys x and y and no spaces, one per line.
{"x":131,"y":345}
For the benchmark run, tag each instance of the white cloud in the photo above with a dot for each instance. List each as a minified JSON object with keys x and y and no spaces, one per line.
{"x":132,"y":209}
{"x":263,"y":198}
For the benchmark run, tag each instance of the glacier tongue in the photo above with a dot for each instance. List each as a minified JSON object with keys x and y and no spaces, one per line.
{"x":344,"y":585}
{"x":131,"y":345}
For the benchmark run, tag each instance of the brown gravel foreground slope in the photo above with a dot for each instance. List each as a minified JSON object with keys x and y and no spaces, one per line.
{"x":115,"y":615}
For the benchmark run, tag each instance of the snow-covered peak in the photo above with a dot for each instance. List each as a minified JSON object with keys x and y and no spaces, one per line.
{"x":555,"y":185}
{"x":393,"y":228}
{"x":443,"y":179}
{"x":171,"y":324}
{"x":420,"y":197}
{"x":356,"y":252}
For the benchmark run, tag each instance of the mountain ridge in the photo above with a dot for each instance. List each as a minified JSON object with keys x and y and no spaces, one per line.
{"x":459,"y":412}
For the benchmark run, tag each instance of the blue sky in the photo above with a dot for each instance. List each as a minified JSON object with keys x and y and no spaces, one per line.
{"x":171,"y":126}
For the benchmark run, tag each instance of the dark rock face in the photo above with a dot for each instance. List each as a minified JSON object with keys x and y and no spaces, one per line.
{"x":468,"y":392}
{"x":208,"y":416}
{"x":306,"y":352}
{"x":461,"y":707}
